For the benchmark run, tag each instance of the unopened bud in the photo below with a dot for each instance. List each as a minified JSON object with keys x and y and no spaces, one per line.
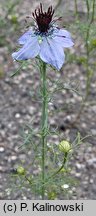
{"x":20,"y":170}
{"x":64,"y":146}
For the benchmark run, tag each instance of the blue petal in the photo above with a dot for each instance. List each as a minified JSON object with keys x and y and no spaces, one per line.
{"x":63,"y":37}
{"x":25,"y":37}
{"x":52,"y":53}
{"x":29,"y":50}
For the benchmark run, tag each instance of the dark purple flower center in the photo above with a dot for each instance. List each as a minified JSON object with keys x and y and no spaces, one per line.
{"x":43,"y":19}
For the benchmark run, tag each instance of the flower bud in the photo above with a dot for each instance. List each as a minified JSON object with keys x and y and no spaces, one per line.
{"x":64,"y":146}
{"x":52,"y":195}
{"x":20,"y":170}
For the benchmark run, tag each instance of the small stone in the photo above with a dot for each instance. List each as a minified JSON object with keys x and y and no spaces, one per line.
{"x":13,"y":157}
{"x":78,"y":174}
{"x":93,"y":131}
{"x":91,"y":181}
{"x":65,"y":186}
{"x":24,"y":197}
{"x":31,"y":110}
{"x":2,"y":149}
{"x":91,"y":161}
{"x":78,"y":166}
{"x":67,"y":119}
{"x":8,"y":191}
{"x":10,"y":125}
{"x":83,"y":125}
{"x":17,"y":115}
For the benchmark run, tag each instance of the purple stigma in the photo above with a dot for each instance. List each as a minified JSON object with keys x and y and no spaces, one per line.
{"x":43,"y":19}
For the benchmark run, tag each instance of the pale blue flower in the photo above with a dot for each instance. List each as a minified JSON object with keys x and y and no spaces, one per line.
{"x":45,"y":40}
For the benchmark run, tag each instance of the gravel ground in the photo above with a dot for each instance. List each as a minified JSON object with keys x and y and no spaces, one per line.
{"x":17,"y":108}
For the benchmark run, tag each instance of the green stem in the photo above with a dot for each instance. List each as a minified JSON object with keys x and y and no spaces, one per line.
{"x":88,"y":78}
{"x":87,"y":46}
{"x":62,"y":166}
{"x":44,"y":121}
{"x":30,"y":182}
{"x":93,"y":11}
{"x":87,"y":62}
{"x":76,"y":8}
{"x":88,"y":8}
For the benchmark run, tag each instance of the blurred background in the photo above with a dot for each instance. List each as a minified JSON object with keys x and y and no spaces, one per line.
{"x":18,"y":106}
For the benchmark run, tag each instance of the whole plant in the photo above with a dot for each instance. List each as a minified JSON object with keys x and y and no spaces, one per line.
{"x":46,"y":42}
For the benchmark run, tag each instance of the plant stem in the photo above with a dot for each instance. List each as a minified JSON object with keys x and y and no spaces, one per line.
{"x":44,"y":121}
{"x":88,"y":77}
{"x":76,"y":8}
{"x":87,"y":46}
{"x":88,"y":8}
{"x":62,"y":166}
{"x":87,"y":62}
{"x":93,"y":11}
